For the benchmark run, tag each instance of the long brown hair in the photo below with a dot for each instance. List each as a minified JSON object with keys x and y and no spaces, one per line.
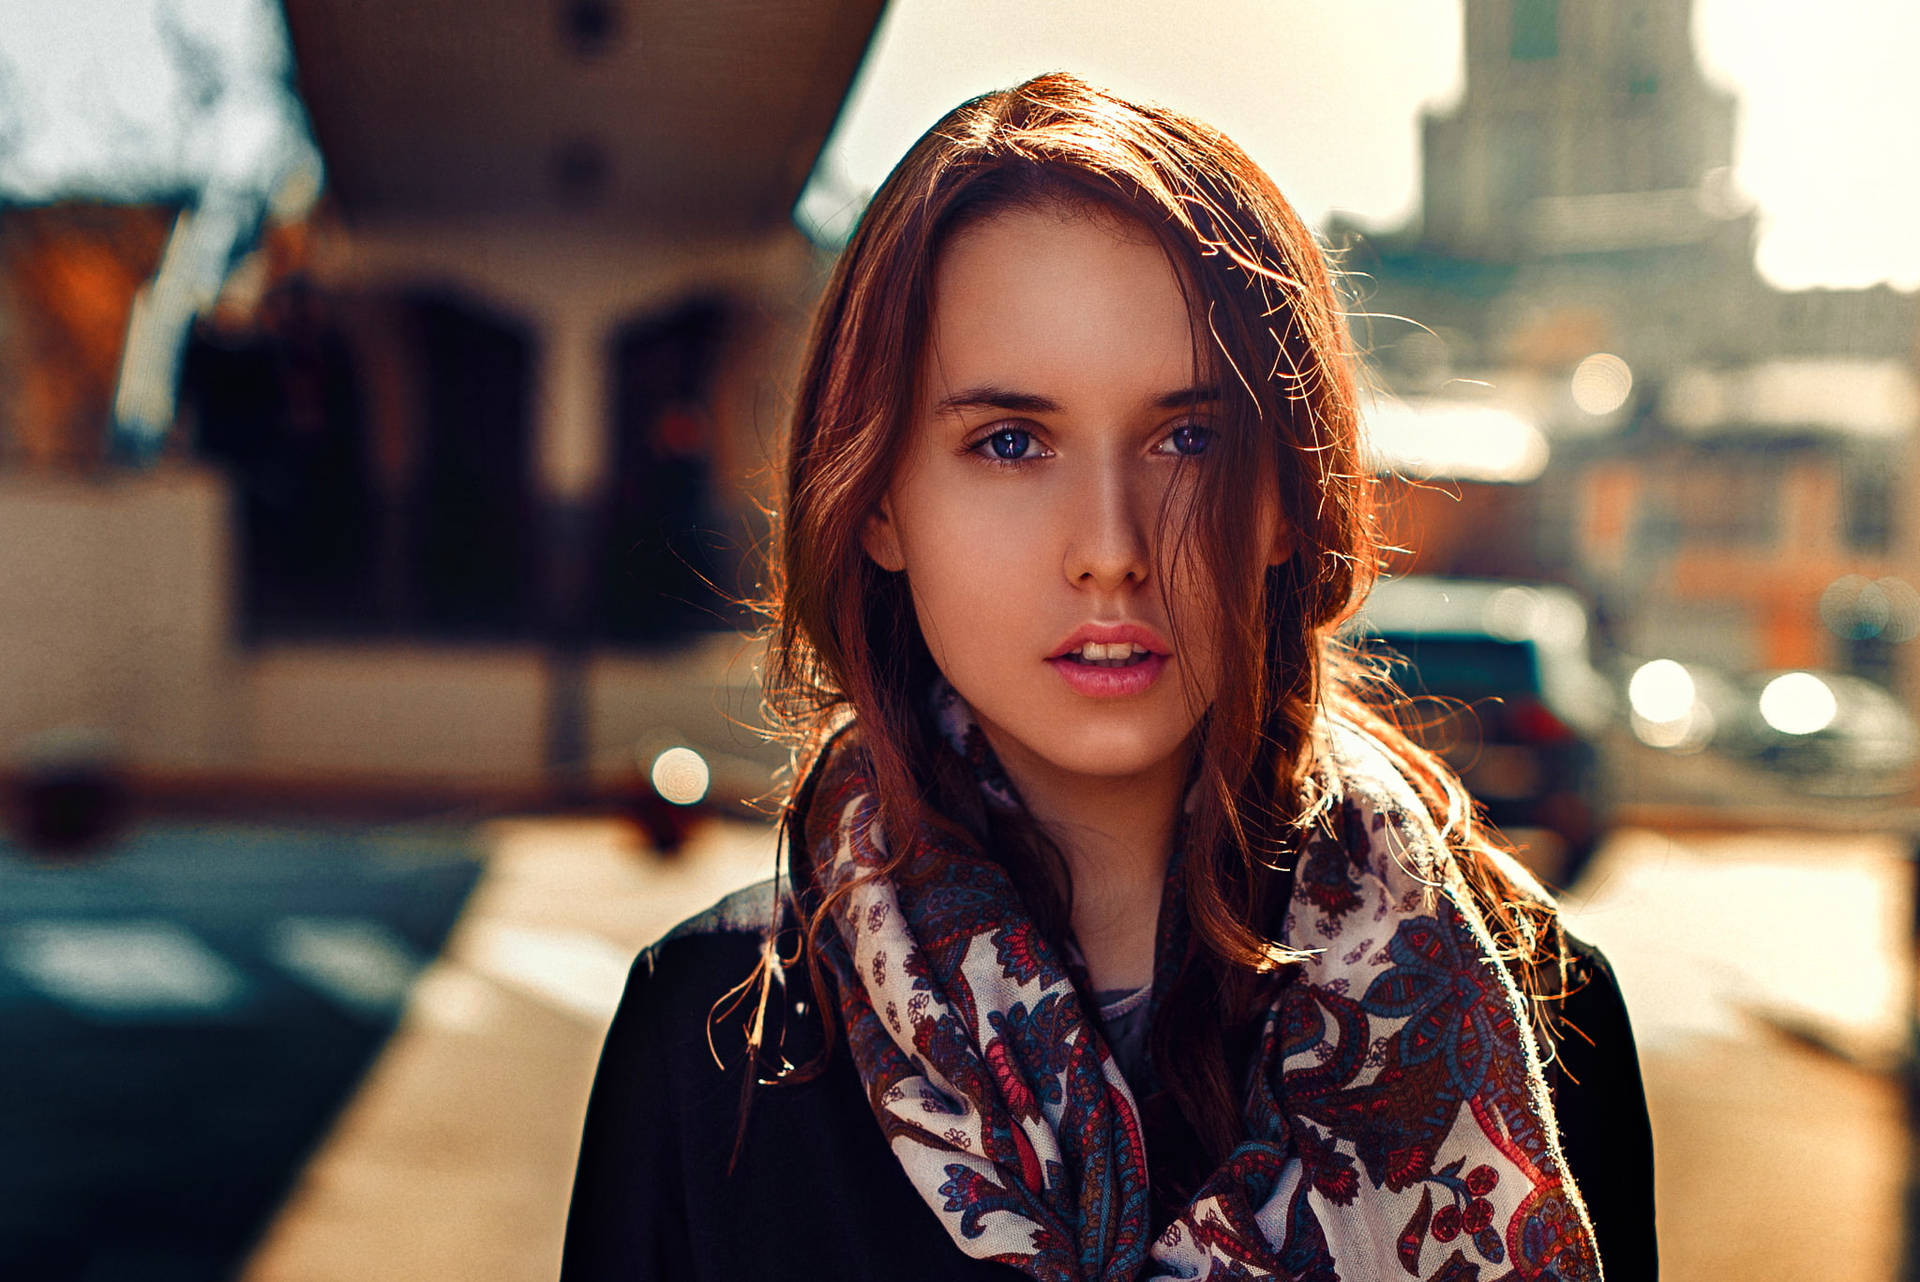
{"x":844,"y":645}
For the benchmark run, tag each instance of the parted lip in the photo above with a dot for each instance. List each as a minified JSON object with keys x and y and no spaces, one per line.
{"x":1112,"y":633}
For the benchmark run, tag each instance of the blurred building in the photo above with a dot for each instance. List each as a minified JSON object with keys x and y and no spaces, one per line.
{"x":1731,"y":462}
{"x":456,"y":450}
{"x":69,"y":274}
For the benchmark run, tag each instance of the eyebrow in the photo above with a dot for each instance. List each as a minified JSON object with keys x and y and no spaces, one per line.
{"x":988,"y":397}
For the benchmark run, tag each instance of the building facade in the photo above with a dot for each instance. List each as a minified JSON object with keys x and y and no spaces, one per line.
{"x":458,"y":451}
{"x":1733,"y":464}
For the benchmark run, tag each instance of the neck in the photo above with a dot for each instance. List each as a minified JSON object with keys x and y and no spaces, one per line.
{"x":1116,"y":835}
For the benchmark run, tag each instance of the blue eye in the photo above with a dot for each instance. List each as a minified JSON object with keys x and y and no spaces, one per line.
{"x":1190,"y":440}
{"x":1010,"y":444}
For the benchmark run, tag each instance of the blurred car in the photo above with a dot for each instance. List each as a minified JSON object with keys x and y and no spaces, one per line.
{"x":1836,"y":733}
{"x":1505,"y":691}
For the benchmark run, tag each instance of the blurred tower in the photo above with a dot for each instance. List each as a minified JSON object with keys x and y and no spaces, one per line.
{"x":1583,"y":128}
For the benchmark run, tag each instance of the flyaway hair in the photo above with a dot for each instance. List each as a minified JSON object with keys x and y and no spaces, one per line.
{"x":1270,"y":334}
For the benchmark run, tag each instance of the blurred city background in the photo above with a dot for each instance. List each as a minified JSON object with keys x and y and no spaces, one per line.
{"x":388,"y":397}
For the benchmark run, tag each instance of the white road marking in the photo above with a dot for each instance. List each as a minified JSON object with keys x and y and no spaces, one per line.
{"x":454,"y":1000}
{"x":577,"y":972}
{"x":122,"y":967}
{"x":357,"y":962}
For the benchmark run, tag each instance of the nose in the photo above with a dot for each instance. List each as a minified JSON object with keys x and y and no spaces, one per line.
{"x":1109,"y":547}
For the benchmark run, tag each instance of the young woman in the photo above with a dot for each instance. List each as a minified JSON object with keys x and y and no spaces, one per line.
{"x":1121,"y":936}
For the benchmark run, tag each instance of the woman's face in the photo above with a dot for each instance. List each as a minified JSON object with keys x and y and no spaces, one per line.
{"x":1057,"y":431}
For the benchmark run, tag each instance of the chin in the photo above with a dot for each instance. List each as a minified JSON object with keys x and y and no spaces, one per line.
{"x":1099,"y":751}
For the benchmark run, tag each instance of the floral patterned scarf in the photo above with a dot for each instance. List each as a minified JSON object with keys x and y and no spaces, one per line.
{"x":1397,"y":1123}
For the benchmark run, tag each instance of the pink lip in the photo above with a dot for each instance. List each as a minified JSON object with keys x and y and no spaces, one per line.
{"x":1112,"y":683}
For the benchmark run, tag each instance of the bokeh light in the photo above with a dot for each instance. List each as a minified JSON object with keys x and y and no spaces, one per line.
{"x":1665,"y":709}
{"x":1798,"y":703}
{"x":1601,"y":384}
{"x":1856,"y":608}
{"x":680,"y":775}
{"x":1661,"y":690}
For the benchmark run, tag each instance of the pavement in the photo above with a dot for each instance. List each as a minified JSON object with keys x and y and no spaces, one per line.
{"x":182,"y":1015}
{"x":455,"y":1160}
{"x":1769,"y":976}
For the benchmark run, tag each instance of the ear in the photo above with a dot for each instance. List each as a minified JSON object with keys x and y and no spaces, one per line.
{"x":1281,"y":550}
{"x":881,"y":538}
{"x":1284,"y":539}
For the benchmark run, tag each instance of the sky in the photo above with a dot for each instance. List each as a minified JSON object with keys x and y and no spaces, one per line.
{"x":1326,"y":95}
{"x":136,"y":96}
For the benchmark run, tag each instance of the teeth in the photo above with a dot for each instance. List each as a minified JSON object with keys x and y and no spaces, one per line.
{"x":1110,"y":651}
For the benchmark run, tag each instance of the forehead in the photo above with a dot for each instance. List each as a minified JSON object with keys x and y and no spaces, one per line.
{"x":1058,"y":295}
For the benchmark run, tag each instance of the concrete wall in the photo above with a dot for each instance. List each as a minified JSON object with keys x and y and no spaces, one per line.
{"x":387,"y":714}
{"x":117,"y":629}
{"x":114,"y":615}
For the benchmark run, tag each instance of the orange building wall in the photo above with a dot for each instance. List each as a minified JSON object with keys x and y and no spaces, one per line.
{"x":68,"y":274}
{"x":1776,"y":583}
{"x":1460,"y":528}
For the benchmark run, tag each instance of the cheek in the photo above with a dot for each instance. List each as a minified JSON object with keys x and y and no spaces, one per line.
{"x":974,"y":570}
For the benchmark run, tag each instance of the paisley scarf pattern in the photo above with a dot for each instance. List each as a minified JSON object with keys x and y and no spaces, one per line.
{"x":1396,"y":1124}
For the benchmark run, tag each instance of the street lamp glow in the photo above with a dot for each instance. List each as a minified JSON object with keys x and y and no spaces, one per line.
{"x":1798,"y":703}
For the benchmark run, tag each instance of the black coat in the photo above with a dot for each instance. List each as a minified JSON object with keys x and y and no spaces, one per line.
{"x":816,"y":1194}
